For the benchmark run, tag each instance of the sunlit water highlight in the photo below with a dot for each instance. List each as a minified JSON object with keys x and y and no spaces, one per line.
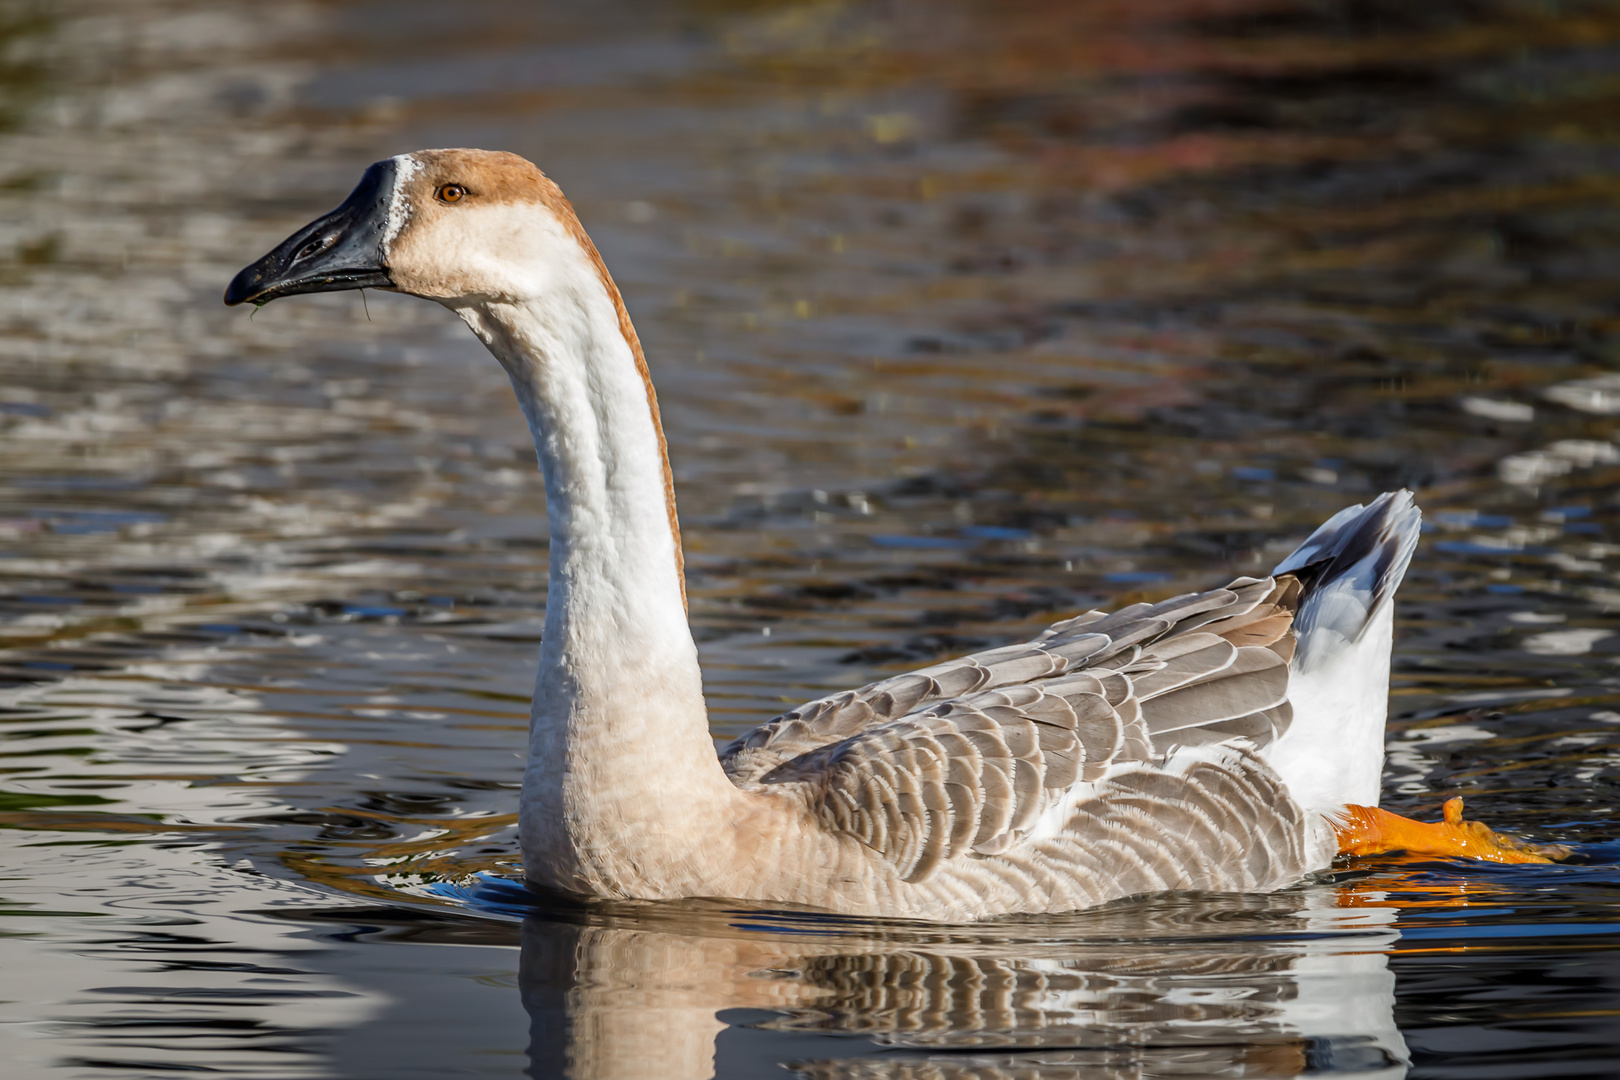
{"x":964,"y":316}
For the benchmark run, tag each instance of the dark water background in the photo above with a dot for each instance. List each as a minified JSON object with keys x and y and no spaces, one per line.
{"x":964,"y":316}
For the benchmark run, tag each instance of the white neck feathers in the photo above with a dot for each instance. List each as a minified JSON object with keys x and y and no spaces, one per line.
{"x":620,"y":758}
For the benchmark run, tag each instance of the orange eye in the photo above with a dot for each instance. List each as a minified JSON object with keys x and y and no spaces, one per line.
{"x":450,"y":193}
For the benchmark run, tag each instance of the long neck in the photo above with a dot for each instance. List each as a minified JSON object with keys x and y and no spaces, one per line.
{"x":621,"y":764}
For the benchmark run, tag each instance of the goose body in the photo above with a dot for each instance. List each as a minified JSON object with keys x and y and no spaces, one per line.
{"x":1210,"y":741}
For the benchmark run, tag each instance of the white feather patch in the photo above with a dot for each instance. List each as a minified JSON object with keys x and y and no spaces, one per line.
{"x":399,"y":207}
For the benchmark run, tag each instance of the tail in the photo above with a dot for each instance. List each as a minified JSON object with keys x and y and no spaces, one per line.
{"x":1350,"y":567}
{"x":1333,"y":753}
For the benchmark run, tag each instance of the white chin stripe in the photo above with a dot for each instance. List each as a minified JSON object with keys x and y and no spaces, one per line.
{"x":399,"y":209}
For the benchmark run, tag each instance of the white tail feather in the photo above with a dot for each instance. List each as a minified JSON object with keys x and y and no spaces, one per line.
{"x":1333,"y":753}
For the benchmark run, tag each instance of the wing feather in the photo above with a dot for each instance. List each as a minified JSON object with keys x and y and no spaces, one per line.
{"x":962,"y":758}
{"x":1255,"y":680}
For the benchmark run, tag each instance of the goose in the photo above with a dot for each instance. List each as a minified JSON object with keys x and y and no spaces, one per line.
{"x":1226,"y":740}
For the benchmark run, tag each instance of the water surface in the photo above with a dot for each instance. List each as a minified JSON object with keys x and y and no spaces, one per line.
{"x":964,"y":316}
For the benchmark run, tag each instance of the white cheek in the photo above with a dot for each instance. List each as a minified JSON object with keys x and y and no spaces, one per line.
{"x":512,"y":251}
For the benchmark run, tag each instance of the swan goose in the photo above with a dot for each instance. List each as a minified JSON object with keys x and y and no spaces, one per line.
{"x":1223,"y":740}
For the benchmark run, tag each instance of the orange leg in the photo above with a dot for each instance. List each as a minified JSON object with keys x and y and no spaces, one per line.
{"x":1367,"y":830}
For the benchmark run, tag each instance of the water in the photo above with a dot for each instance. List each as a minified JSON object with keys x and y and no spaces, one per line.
{"x":963,"y":316}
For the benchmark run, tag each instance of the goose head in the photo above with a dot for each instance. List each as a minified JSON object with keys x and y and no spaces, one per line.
{"x":458,"y":226}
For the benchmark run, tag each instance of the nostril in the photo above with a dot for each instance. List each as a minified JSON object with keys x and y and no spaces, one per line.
{"x":314,"y":247}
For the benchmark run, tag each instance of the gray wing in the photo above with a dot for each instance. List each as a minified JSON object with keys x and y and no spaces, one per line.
{"x":964,"y":756}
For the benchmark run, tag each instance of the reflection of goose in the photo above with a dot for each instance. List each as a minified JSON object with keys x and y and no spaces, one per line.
{"x":1133,"y":992}
{"x":1210,"y":741}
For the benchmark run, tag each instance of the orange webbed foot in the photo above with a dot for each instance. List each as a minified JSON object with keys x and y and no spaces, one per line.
{"x":1367,"y":830}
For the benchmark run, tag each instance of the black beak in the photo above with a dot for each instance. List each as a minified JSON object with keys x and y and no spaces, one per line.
{"x":343,"y":250}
